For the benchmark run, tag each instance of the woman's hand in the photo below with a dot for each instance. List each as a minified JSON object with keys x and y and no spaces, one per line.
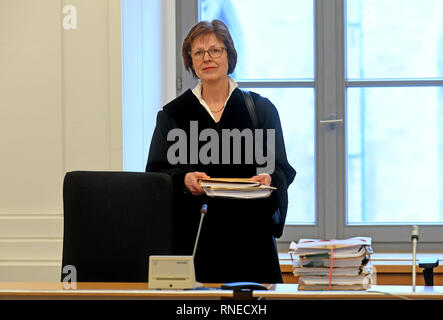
{"x":263,"y":178}
{"x":191,"y":182}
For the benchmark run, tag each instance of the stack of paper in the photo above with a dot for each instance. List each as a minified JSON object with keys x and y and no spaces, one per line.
{"x":240,"y":188}
{"x":332,"y":264}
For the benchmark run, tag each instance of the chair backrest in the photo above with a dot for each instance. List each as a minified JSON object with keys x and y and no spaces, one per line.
{"x":113,"y":222}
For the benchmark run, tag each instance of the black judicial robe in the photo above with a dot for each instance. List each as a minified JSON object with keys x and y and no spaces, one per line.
{"x":237,"y":237}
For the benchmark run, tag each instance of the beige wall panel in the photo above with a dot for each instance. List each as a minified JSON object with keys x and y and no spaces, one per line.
{"x":85,"y":88}
{"x":115,"y":83}
{"x":32,"y":249}
{"x":60,"y":110}
{"x":30,"y":105}
{"x":16,"y":226}
{"x":19,"y":271}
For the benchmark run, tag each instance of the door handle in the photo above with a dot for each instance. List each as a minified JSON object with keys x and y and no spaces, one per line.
{"x":331,"y":121}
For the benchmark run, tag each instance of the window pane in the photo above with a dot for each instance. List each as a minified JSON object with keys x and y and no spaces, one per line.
{"x":394,"y":39}
{"x":271,"y":43}
{"x":296,"y":109}
{"x":395,"y":155}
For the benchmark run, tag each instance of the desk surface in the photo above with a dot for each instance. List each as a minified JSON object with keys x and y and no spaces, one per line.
{"x":18,"y":290}
{"x":103,"y":290}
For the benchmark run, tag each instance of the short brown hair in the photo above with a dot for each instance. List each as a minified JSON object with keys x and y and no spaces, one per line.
{"x":221,"y":31}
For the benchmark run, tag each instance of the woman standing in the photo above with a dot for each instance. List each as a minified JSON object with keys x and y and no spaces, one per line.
{"x":237,"y":238}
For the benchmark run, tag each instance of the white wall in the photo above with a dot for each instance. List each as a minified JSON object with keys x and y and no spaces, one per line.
{"x":60,"y":110}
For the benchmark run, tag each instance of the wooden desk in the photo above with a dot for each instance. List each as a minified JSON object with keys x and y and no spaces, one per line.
{"x":134,"y":291}
{"x":102,"y":290}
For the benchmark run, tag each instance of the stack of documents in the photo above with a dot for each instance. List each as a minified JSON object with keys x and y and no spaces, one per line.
{"x":240,"y":188}
{"x":333,"y":264}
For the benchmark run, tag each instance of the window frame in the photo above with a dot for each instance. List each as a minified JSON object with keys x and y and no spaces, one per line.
{"x":330,"y":86}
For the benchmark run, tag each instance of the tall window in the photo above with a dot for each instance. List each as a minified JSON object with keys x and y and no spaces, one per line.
{"x":359,"y":88}
{"x":280,"y":67}
{"x":395,"y":119}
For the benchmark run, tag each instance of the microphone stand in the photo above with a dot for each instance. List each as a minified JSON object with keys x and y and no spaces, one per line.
{"x":414,"y":239}
{"x":203,"y":211}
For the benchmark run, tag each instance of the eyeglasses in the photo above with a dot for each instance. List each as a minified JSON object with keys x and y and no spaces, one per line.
{"x":214,"y":52}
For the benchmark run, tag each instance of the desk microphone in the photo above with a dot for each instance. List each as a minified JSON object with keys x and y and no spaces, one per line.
{"x":175,"y":272}
{"x":414,"y":238}
{"x":203,"y":211}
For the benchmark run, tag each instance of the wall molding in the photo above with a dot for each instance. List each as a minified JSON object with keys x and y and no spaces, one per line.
{"x":31,"y":249}
{"x":30,"y":271}
{"x":34,"y":226}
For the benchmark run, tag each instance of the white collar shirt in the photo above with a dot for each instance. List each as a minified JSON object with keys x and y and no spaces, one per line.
{"x":197,"y":91}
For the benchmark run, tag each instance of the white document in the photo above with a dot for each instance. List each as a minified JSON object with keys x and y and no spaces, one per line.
{"x":237,"y":188}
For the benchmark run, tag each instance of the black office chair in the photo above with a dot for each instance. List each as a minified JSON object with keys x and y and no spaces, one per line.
{"x":113,"y":221}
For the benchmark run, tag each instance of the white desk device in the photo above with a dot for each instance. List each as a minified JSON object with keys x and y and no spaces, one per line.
{"x":175,"y":272}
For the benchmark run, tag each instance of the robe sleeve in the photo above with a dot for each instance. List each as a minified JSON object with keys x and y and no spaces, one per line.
{"x":284,"y":173}
{"x":157,"y":157}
